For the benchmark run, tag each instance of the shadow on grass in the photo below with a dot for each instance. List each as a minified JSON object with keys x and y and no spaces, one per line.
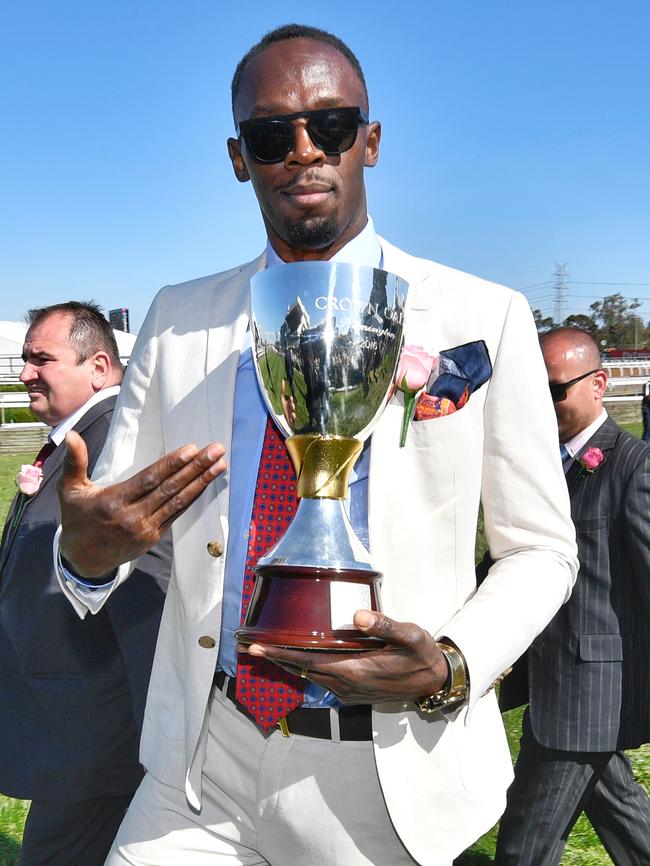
{"x":9,"y":851}
{"x":469,"y":858}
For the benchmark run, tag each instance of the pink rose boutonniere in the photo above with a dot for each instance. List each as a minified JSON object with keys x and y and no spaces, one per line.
{"x":413,"y":371}
{"x":29,"y":478}
{"x":591,"y":460}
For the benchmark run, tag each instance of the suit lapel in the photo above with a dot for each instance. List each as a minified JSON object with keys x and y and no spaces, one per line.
{"x":230,"y":309}
{"x":227,"y":321}
{"x":55,"y":461}
{"x":51,"y":470}
{"x":605,"y":439}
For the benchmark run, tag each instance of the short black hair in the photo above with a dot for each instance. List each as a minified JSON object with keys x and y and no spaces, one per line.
{"x":90,"y":331}
{"x":295,"y":31}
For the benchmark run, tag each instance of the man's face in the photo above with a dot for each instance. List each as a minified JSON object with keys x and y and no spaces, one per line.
{"x":56,"y":383}
{"x":582,"y":404}
{"x":312,"y":204}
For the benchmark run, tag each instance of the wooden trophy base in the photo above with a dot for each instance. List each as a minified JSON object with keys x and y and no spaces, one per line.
{"x":310,"y":608}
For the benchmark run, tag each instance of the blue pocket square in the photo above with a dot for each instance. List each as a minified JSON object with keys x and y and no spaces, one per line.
{"x":461,"y":371}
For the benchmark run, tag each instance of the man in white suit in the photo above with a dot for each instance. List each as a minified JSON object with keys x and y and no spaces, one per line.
{"x":418,"y":766}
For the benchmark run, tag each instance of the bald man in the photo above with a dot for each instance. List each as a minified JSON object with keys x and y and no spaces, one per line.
{"x":588,"y":673}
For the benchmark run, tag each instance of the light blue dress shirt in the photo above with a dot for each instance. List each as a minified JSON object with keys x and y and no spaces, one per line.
{"x":249,"y":422}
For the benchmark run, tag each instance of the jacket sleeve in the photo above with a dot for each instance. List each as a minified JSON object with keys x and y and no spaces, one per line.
{"x":134,"y":441}
{"x":636,"y":504}
{"x":526,"y":510}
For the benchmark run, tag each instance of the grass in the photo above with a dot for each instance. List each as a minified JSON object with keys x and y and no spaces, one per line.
{"x":12,"y":812}
{"x":583,"y":848}
{"x":12,"y":819}
{"x":9,"y":465}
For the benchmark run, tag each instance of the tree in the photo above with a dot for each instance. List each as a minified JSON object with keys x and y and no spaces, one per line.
{"x":543,"y":324}
{"x":620,"y":326}
{"x":585,"y":323}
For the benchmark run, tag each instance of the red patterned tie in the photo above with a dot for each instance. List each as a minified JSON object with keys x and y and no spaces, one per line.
{"x":266,"y":691}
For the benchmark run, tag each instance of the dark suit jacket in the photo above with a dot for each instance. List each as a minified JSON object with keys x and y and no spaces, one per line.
{"x":588,"y":672}
{"x":72,"y":690}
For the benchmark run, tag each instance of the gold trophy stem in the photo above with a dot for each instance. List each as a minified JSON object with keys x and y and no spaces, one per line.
{"x":323,"y":464}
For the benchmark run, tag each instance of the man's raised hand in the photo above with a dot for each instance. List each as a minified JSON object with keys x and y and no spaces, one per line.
{"x":103,"y":527}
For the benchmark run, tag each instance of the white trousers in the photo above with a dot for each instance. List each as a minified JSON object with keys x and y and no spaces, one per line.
{"x":283,"y":801}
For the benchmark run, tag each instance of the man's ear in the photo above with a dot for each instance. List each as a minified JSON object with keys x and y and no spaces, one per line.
{"x":237,"y":160}
{"x":600,"y":382}
{"x":373,"y":137}
{"x":101,"y":369}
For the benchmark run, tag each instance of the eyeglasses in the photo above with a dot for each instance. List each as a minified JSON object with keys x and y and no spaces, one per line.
{"x":558,"y":389}
{"x":332,"y":130}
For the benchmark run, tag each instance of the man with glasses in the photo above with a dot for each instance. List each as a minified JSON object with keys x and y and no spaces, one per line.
{"x":392,"y":756}
{"x":588,"y":673}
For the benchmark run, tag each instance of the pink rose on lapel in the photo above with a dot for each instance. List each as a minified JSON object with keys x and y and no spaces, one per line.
{"x":413,"y":371}
{"x":591,"y":459}
{"x":29,"y":478}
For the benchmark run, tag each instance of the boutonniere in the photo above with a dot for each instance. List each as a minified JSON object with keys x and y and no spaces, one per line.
{"x":28,"y":481}
{"x":29,"y":478}
{"x":591,"y":460}
{"x":413,"y":371}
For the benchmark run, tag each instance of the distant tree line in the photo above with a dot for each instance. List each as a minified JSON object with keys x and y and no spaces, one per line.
{"x":613,"y":323}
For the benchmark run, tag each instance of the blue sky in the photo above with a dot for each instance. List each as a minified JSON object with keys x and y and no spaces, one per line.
{"x":515,"y":135}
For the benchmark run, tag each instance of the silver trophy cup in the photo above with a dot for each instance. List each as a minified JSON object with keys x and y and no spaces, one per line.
{"x":326,"y":343}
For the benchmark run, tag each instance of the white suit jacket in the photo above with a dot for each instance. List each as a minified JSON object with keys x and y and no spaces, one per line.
{"x":444,"y":777}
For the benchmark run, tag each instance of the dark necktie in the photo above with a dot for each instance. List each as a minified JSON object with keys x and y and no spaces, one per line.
{"x":266,"y":691}
{"x":44,"y":453}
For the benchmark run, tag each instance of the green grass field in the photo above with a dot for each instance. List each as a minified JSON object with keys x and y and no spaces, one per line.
{"x":583,"y":848}
{"x":12,"y":812}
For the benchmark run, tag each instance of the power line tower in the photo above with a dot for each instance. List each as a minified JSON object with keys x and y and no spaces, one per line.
{"x":560,"y":275}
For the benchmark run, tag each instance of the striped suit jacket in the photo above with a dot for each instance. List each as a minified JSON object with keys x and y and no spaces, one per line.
{"x":587,"y":675}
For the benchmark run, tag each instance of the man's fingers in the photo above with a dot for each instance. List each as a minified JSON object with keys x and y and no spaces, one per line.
{"x":173,"y":507}
{"x":177,"y":491}
{"x":168,"y":476}
{"x":75,"y":462}
{"x":403,"y":634}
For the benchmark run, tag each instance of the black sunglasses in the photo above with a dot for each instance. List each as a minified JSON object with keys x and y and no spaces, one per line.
{"x":332,"y":130}
{"x":558,"y":389}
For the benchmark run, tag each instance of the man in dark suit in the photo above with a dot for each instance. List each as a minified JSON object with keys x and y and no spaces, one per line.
{"x":587,"y":675}
{"x":73,"y":690}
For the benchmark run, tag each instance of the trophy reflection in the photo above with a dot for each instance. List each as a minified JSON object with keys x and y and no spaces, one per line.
{"x":326,"y":342}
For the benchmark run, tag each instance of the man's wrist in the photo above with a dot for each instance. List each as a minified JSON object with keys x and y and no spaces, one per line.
{"x":455,"y":689}
{"x":70,"y":574}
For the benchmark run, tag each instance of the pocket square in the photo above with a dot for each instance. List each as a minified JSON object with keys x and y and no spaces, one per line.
{"x":461,"y":371}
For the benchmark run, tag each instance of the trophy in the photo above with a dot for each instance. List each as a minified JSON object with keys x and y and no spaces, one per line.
{"x":326,"y":343}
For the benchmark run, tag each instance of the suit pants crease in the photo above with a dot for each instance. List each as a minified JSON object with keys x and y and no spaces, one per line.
{"x":284,"y":801}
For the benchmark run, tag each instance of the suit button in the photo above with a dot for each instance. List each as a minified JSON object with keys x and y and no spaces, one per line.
{"x":214,"y":548}
{"x":206,"y":641}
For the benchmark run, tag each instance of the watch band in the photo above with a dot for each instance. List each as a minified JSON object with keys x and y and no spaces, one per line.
{"x":455,"y":689}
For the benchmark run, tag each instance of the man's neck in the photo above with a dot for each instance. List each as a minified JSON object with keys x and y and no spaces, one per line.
{"x":363,"y":248}
{"x":577,"y":442}
{"x":57,"y":435}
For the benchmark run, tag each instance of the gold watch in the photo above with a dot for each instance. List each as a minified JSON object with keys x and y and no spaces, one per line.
{"x":456,"y":688}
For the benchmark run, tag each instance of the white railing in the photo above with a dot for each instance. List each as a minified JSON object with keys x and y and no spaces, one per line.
{"x":11,"y":365}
